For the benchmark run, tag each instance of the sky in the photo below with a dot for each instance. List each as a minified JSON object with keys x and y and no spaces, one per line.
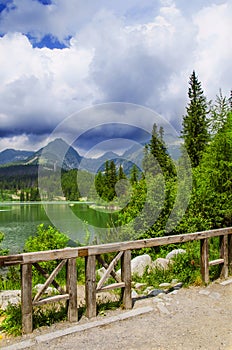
{"x":60,"y":57}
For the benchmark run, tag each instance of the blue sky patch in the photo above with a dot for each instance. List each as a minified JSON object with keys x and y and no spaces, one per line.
{"x":45,"y":2}
{"x":47,"y":41}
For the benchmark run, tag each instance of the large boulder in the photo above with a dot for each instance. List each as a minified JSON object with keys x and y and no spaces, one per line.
{"x":161,"y":264}
{"x":49,"y":290}
{"x":174,"y":253}
{"x":140,"y":263}
{"x":12,"y":297}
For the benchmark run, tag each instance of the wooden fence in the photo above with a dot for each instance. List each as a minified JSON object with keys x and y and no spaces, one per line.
{"x":92,"y":254}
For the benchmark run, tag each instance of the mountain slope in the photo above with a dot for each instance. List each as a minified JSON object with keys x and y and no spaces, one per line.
{"x":57,"y":153}
{"x":14,"y":156}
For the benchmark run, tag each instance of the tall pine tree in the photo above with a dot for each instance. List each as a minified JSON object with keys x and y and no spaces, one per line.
{"x":195,"y":130}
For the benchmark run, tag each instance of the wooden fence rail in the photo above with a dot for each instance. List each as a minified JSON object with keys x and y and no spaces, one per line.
{"x":67,"y":257}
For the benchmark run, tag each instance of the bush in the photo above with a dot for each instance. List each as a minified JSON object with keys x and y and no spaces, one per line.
{"x":46,"y":239}
{"x":12,"y":324}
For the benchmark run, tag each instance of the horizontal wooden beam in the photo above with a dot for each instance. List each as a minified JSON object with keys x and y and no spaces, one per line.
{"x":216,"y":262}
{"x":68,"y":253}
{"x":52,"y":299}
{"x":34,"y":257}
{"x":151,"y":242}
{"x":111,"y":286}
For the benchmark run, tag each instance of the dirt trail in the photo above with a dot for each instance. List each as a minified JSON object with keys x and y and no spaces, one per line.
{"x":193,"y":318}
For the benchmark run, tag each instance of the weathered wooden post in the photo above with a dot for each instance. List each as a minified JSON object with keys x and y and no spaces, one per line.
{"x":90,"y":286}
{"x":71,"y":285}
{"x":230,"y":252}
{"x":126,"y":278}
{"x":26,"y":298}
{"x":224,"y":254}
{"x":205,"y":259}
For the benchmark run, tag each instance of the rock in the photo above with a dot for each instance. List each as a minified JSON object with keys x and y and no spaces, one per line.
{"x":164,"y":285}
{"x":155,"y":292}
{"x":162,"y":308}
{"x":178,"y":286}
{"x":174,"y":253}
{"x":139,"y":286}
{"x":134,"y":294}
{"x":48,"y":291}
{"x":204,"y":292}
{"x":148,"y":290}
{"x":215,"y":295}
{"x":174,"y":292}
{"x":101,"y":271}
{"x":9,"y":297}
{"x":161,"y":263}
{"x":139,"y":264}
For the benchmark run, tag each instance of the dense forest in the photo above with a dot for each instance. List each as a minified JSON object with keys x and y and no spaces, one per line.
{"x":152,"y":200}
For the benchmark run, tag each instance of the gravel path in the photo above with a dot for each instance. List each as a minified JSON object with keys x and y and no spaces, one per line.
{"x":192,"y":319}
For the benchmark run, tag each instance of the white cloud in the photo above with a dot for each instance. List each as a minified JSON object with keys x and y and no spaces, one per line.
{"x":214,"y":54}
{"x":22,"y":142}
{"x":128,"y":51}
{"x":41,"y":86}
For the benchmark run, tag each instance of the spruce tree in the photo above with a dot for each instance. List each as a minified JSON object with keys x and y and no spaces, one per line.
{"x":195,"y":130}
{"x":219,"y":112}
{"x":121,"y":174}
{"x":156,"y":158}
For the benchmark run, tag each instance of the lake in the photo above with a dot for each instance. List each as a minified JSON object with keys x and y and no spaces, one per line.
{"x":81,"y":223}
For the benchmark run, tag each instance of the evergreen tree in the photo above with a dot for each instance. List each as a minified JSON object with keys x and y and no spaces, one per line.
{"x":134,"y":174}
{"x":195,"y":131}
{"x":121,"y":174}
{"x":156,"y":159}
{"x":112,"y":180}
{"x":219,"y":112}
{"x":99,"y":184}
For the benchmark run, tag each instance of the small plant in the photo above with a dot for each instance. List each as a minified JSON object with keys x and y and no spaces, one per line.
{"x":109,"y":305}
{"x":12,"y":324}
{"x":46,"y":316}
{"x":49,"y":315}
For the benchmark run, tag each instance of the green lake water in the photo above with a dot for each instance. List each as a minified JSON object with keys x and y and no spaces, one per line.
{"x":78,"y":221}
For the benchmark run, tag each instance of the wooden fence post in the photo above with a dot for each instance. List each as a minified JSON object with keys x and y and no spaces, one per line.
{"x":205,"y":259}
{"x":230,"y":252}
{"x":126,"y":278}
{"x":71,"y":283}
{"x":26,"y":298}
{"x":90,"y":286}
{"x":224,"y":255}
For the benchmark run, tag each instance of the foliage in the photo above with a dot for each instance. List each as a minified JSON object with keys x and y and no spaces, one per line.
{"x":185,"y":267}
{"x":195,"y":128}
{"x":12,"y":323}
{"x":46,"y":316}
{"x":46,"y":239}
{"x":69,"y":185}
{"x":213,"y":180}
{"x":218,"y":113}
{"x":105,"y":181}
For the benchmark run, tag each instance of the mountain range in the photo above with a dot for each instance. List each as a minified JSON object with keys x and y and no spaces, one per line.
{"x":58,"y":153}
